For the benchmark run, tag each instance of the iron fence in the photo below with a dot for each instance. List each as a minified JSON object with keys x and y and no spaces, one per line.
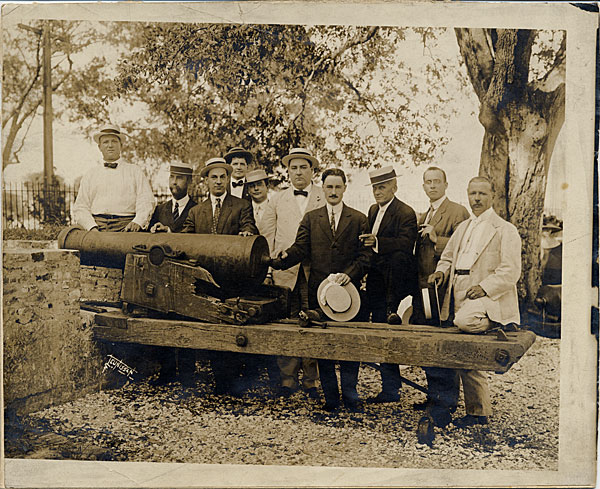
{"x":32,"y":205}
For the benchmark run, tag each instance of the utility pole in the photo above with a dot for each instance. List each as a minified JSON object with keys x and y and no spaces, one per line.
{"x":47,"y":97}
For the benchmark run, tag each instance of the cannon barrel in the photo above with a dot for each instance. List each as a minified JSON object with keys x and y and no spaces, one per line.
{"x":230,"y":259}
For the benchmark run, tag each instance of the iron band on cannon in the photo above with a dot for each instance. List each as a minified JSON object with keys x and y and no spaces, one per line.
{"x":210,"y":277}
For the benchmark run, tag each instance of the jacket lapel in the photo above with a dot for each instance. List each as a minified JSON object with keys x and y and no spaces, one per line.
{"x":492,"y":225}
{"x":387,"y":217}
{"x":345,"y":219}
{"x":224,"y":215}
{"x":437,"y":217}
{"x":314,"y":200}
{"x":324,"y":222}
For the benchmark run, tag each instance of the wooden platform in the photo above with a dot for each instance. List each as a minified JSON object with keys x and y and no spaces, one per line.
{"x":365,"y":342}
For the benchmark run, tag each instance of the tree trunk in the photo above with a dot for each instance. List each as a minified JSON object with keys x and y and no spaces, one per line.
{"x":521,"y":125}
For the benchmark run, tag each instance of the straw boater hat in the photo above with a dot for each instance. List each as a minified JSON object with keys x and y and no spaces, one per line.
{"x":181,"y":169}
{"x":215,"y":163}
{"x":109,"y":130}
{"x":381,"y":175}
{"x":553,"y":228}
{"x":256,"y":176}
{"x":301,"y":153}
{"x":240,"y":152}
{"x":340,"y":303}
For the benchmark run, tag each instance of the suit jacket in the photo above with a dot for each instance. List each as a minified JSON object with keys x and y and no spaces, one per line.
{"x":328,"y":254}
{"x":396,"y":242}
{"x":236,"y":216}
{"x":445,"y":221}
{"x":497,"y":268}
{"x":163,"y":213}
{"x":281,"y":220}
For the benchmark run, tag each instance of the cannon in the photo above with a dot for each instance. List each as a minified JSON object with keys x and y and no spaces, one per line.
{"x":210,"y":277}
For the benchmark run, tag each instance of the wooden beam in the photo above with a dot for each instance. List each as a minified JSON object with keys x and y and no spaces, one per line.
{"x":428,"y":347}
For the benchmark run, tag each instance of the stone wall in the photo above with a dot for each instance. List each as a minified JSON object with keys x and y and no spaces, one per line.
{"x":49,"y":355}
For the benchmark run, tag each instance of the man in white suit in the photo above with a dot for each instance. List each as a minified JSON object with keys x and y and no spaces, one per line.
{"x":482,"y":264}
{"x":280,"y":223}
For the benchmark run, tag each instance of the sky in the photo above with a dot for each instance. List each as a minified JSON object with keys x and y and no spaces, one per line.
{"x":74,"y":153}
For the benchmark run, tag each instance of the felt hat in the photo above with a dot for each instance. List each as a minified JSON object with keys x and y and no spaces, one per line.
{"x":256,"y":176}
{"x":109,"y":130}
{"x":551,"y":227}
{"x":239,"y":152}
{"x":301,"y":153}
{"x":381,"y":175}
{"x":215,"y":163}
{"x":181,"y":169}
{"x":340,"y":303}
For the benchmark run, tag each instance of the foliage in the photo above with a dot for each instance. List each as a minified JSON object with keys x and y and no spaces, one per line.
{"x":22,"y":75}
{"x":341,"y":91}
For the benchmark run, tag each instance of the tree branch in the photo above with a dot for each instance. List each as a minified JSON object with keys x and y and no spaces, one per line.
{"x":556,"y":74}
{"x":478,"y":55}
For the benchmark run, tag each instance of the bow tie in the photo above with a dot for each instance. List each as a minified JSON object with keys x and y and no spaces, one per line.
{"x":304,"y":193}
{"x":110,"y":164}
{"x":239,"y":183}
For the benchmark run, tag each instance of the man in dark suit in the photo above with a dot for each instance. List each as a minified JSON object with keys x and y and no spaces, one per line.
{"x":240,"y":161}
{"x":392,"y":276}
{"x":169,"y":217}
{"x":435,"y":228}
{"x":222,"y":213}
{"x":329,"y":236}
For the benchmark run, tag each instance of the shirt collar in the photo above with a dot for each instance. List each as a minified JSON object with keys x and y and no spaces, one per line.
{"x":437,"y":203}
{"x":484,"y":216}
{"x":384,"y":207}
{"x":213,"y":199}
{"x":182,"y":202}
{"x":337,"y":208}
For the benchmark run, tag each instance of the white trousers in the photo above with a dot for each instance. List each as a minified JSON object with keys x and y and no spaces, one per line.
{"x":470,"y":316}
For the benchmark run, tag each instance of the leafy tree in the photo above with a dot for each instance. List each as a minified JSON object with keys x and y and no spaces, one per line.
{"x":22,"y":76}
{"x":519,"y":78}
{"x":342,"y":91}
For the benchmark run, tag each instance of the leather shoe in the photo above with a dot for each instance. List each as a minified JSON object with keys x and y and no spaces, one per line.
{"x":313,"y":393}
{"x":393,"y":318}
{"x":285,"y":391}
{"x":470,"y":420}
{"x":384,"y":397}
{"x":331,"y":407}
{"x":353,"y":406}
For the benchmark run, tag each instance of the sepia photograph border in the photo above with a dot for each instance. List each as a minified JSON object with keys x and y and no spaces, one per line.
{"x":578,"y":346}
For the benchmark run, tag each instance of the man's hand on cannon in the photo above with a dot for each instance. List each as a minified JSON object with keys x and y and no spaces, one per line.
{"x":475,"y":292}
{"x":277,"y":263}
{"x":132,"y":227}
{"x":339,"y":278}
{"x":436,"y":278}
{"x":368,"y":240}
{"x":159,"y":227}
{"x":245,"y":233}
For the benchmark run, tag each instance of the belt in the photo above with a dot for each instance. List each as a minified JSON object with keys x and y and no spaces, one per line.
{"x":112,"y":216}
{"x":462,"y":272}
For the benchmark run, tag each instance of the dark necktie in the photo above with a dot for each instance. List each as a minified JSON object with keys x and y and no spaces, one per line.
{"x":332,"y":223}
{"x":216,"y":214}
{"x":112,"y":164}
{"x":176,"y":211}
{"x":239,"y":183}
{"x":304,"y":193}
{"x":429,"y":215}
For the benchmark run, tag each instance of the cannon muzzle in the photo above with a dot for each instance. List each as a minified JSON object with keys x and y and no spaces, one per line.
{"x":229,"y":259}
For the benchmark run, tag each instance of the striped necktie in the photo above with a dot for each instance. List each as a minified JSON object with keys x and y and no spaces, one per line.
{"x":332,"y":223}
{"x":176,"y":211}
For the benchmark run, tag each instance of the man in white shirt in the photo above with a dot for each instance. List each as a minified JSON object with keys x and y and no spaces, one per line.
{"x":280,"y":220}
{"x":481,"y":265}
{"x":240,"y":161}
{"x":115,"y":196}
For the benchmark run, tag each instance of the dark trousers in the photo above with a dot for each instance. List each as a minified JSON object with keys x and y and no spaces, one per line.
{"x":329,"y":383}
{"x":381,"y":303}
{"x":173,"y":359}
{"x":227,"y":369}
{"x":444,"y":388}
{"x":114,"y":224}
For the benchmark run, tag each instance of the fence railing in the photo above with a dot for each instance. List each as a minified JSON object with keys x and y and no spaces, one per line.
{"x":31,"y":205}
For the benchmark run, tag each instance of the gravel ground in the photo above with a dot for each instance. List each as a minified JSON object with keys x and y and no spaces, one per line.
{"x":158,"y":424}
